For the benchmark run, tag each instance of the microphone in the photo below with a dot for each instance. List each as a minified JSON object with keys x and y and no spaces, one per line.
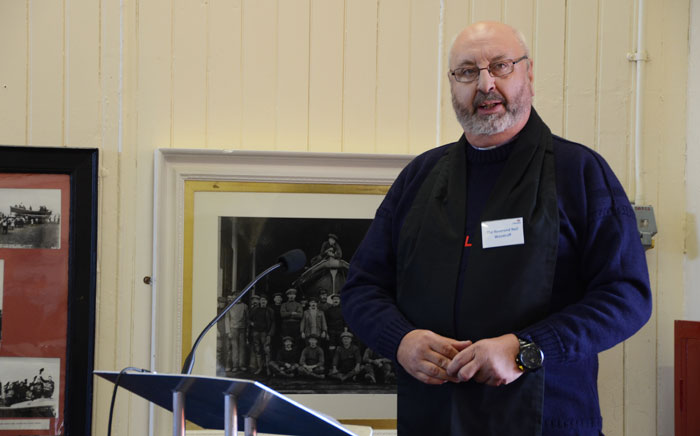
{"x":291,"y":261}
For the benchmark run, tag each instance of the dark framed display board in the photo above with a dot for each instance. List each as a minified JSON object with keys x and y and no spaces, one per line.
{"x":48,"y":241}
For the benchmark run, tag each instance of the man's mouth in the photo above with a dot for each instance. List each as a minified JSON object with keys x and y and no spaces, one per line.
{"x":489,"y":105}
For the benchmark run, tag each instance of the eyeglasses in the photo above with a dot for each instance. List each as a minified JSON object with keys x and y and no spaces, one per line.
{"x":496,"y":69}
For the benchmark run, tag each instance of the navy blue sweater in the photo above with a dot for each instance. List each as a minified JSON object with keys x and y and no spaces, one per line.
{"x":600,"y":295}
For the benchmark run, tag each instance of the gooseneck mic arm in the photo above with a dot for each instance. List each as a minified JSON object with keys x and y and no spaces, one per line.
{"x":290,"y":261}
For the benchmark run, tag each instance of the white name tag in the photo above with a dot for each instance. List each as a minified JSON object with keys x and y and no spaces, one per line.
{"x":500,"y":233}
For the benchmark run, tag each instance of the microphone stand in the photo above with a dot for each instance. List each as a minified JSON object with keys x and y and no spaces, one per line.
{"x":189,"y":361}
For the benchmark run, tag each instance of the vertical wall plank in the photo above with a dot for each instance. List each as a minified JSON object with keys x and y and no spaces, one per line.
{"x":393,"y":75}
{"x":45,"y":73}
{"x":664,"y":145}
{"x":154,"y":81}
{"x":360,"y":76}
{"x":456,"y":16}
{"x":259,"y":74}
{"x":83,"y":92}
{"x":189,"y":73}
{"x":13,"y":74}
{"x":547,"y":51}
{"x":580,"y":74}
{"x":293,"y":75}
{"x":486,"y":10}
{"x":615,"y":94}
{"x":224,"y":92}
{"x":326,"y":75}
{"x":424,"y":61}
{"x":521,"y":15}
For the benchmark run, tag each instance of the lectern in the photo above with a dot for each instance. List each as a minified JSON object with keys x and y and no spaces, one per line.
{"x":218,"y":403}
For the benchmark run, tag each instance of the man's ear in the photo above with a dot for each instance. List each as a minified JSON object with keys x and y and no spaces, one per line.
{"x":531,"y":75}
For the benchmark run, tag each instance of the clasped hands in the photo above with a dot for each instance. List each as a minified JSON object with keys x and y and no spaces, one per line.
{"x":435,"y":359}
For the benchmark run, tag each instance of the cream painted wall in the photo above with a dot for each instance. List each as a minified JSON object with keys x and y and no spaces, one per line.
{"x":347,"y":76}
{"x":692,"y":257}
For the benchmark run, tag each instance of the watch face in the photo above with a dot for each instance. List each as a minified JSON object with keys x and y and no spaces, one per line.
{"x":531,"y":357}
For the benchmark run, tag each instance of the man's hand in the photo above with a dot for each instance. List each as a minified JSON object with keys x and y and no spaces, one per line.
{"x":489,"y":361}
{"x":425,"y":355}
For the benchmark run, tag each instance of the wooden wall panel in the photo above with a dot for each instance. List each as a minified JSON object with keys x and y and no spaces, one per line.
{"x":224,"y":82}
{"x":83,"y":110}
{"x":326,"y":75}
{"x":548,"y":51}
{"x":292,"y":75}
{"x":154,"y":80}
{"x":46,"y":79}
{"x":189,"y":73}
{"x":393,"y":75}
{"x":424,"y":61}
{"x":487,"y":10}
{"x":615,"y":99}
{"x":360,"y":76}
{"x":521,"y":15}
{"x":13,"y":75}
{"x":259,"y":66}
{"x":580,"y":72}
{"x":456,"y":15}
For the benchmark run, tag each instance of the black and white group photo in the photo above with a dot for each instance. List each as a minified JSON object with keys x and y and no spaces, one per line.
{"x":29,"y":387}
{"x":30,"y":218}
{"x":289,"y":331}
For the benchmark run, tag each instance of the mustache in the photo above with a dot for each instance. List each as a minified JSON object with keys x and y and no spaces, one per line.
{"x":491,"y":96}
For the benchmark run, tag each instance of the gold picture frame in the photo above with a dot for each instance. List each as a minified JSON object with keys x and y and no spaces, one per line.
{"x":183,"y":176}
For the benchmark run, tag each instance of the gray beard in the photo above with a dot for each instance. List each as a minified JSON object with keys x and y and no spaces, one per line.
{"x":490,"y":124}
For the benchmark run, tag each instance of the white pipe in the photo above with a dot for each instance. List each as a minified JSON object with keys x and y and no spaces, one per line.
{"x":639,"y":58}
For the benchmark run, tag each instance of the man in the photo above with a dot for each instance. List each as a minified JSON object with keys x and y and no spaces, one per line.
{"x":346,"y":359}
{"x":286,"y":360}
{"x":312,"y":360}
{"x":313,"y":322}
{"x":497,"y":267}
{"x":236,"y":322}
{"x":335,"y":322}
{"x":262,"y":326}
{"x":291,"y":312}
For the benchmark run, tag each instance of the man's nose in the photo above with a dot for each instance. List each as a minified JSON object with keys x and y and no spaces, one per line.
{"x":485,"y":82}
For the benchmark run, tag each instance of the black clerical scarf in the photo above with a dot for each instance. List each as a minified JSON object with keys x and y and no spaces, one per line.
{"x":505,"y":288}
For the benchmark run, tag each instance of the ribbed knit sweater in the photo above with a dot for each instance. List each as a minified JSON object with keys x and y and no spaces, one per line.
{"x":600,"y":295}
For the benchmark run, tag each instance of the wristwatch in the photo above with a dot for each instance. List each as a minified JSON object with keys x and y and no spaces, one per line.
{"x":530,"y":356}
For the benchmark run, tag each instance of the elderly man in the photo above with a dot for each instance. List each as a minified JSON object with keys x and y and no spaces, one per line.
{"x":498,"y":266}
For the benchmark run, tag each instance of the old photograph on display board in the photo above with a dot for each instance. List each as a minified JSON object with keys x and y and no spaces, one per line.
{"x":30,"y":218}
{"x":47,"y":279}
{"x":288,"y":331}
{"x":30,"y":388}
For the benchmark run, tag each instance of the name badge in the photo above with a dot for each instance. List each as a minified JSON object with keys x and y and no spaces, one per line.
{"x":500,"y":233}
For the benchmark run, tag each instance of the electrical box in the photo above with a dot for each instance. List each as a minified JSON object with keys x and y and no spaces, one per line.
{"x":646,"y":224}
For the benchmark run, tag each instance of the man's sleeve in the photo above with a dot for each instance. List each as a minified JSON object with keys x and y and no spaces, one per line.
{"x":616,"y":301}
{"x":369,"y":295}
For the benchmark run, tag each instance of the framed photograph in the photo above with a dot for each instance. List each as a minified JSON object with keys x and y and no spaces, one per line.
{"x":223,"y":217}
{"x":48,"y":239}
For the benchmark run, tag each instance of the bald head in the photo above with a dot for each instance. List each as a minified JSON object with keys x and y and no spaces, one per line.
{"x":477,"y":34}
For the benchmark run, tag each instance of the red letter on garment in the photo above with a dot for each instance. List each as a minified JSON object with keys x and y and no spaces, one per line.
{"x":466,"y":242}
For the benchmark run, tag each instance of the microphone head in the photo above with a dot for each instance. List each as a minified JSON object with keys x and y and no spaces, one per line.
{"x":293,"y":260}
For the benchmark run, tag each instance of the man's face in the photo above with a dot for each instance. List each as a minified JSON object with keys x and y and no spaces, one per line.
{"x":313,"y":305}
{"x":488,"y":107}
{"x":313,"y":342}
{"x":287,"y":345}
{"x":278,"y":299}
{"x":263,"y":302}
{"x":336,"y":301}
{"x":346,"y":340}
{"x":291,"y":297}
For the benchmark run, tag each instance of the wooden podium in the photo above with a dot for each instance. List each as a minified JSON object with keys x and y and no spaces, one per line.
{"x":218,"y":403}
